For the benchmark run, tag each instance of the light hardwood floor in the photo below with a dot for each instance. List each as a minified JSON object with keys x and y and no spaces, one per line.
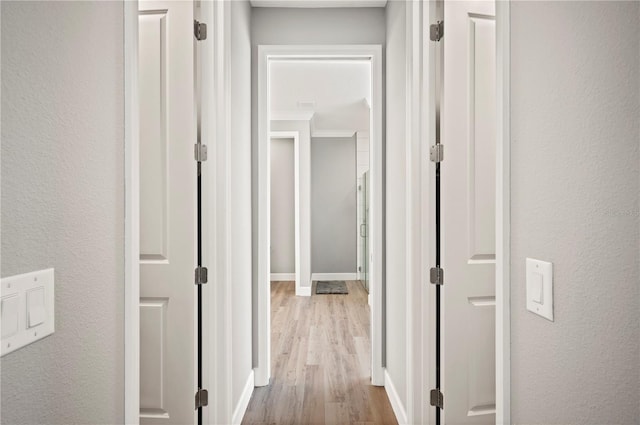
{"x":320,"y":353}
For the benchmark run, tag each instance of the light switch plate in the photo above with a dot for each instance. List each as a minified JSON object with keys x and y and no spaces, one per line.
{"x":540,"y":287}
{"x":10,"y":307}
{"x":34,"y":293}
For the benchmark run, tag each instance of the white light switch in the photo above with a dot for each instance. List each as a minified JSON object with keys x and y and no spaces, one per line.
{"x":27,"y":309}
{"x":35,"y":307}
{"x":537,"y":288}
{"x":540,"y":287}
{"x":9,"y":315}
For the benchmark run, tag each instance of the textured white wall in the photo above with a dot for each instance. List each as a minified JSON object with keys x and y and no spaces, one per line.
{"x":333,"y":205}
{"x":63,"y":204}
{"x":575,"y":190}
{"x":241,"y":195}
{"x":283,"y":236}
{"x":395,"y":198}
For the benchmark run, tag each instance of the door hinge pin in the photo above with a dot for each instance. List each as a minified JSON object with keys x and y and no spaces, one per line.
{"x":202,"y":398}
{"x":200,"y":152}
{"x":201,"y":275}
{"x":436,"y":31}
{"x":436,"y":275}
{"x":437,"y":398}
{"x":199,"y":30}
{"x":436,"y":153}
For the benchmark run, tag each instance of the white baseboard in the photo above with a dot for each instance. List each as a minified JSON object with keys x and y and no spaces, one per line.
{"x":243,"y":403}
{"x":282,"y":276}
{"x":303,"y":291}
{"x":396,"y":404}
{"x":334,"y":276}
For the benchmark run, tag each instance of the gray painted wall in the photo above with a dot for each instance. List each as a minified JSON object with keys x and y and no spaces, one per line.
{"x":333,"y":205}
{"x":317,"y":26}
{"x":283,"y":235}
{"x":242,"y":363}
{"x":63,"y":205}
{"x":574,"y":200}
{"x":395,"y":198}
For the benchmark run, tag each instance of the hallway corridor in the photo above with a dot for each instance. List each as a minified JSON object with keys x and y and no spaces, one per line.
{"x":321,"y":355}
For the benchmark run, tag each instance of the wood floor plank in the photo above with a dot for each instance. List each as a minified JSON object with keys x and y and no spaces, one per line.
{"x":320,"y":353}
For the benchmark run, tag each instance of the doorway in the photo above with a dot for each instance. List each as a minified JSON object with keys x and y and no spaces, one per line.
{"x":300,"y":123}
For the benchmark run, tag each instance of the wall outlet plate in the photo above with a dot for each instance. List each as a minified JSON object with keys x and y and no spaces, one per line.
{"x":540,"y":287}
{"x":34,"y":315}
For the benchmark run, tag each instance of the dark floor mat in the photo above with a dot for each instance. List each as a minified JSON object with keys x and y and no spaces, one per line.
{"x":331,"y":287}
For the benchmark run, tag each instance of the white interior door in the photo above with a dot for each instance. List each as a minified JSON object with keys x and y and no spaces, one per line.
{"x":468,"y":212}
{"x":167,"y":212}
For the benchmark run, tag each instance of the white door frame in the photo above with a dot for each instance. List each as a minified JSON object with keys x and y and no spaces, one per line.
{"x":420,"y":178}
{"x":503,"y":213}
{"x":132,"y":217}
{"x":422,"y":252}
{"x":266,"y":53}
{"x":216,"y":211}
{"x":216,"y":215}
{"x":295,"y":135}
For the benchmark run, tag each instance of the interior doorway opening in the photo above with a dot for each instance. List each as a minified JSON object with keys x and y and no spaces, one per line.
{"x":306,"y":125}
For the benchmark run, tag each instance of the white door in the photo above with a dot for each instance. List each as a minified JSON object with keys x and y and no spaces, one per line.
{"x":468,"y":212}
{"x":167,"y":213}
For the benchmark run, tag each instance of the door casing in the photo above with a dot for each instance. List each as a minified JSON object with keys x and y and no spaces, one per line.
{"x":266,"y":53}
{"x":132,"y":217}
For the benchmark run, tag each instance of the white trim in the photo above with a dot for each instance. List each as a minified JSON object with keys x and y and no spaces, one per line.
{"x":216,"y":192}
{"x":132,"y":217}
{"x":333,"y":276}
{"x":297,"y":195}
{"x":304,"y":291}
{"x":243,"y":402}
{"x":282,"y":277}
{"x":333,"y":133}
{"x":503,"y":215}
{"x":266,"y":53}
{"x":394,"y":399}
{"x":292,"y":115}
{"x":376,"y":214}
{"x":263,"y":306}
{"x":418,"y":256}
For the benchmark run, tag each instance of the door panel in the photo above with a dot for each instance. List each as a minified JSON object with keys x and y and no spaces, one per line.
{"x":468,"y":213}
{"x":167,"y":212}
{"x":152,"y":348}
{"x":153,"y":132}
{"x":482,"y":131}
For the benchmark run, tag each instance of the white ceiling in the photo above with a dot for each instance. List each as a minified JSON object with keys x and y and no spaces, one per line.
{"x":338,"y":93}
{"x":318,"y":3}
